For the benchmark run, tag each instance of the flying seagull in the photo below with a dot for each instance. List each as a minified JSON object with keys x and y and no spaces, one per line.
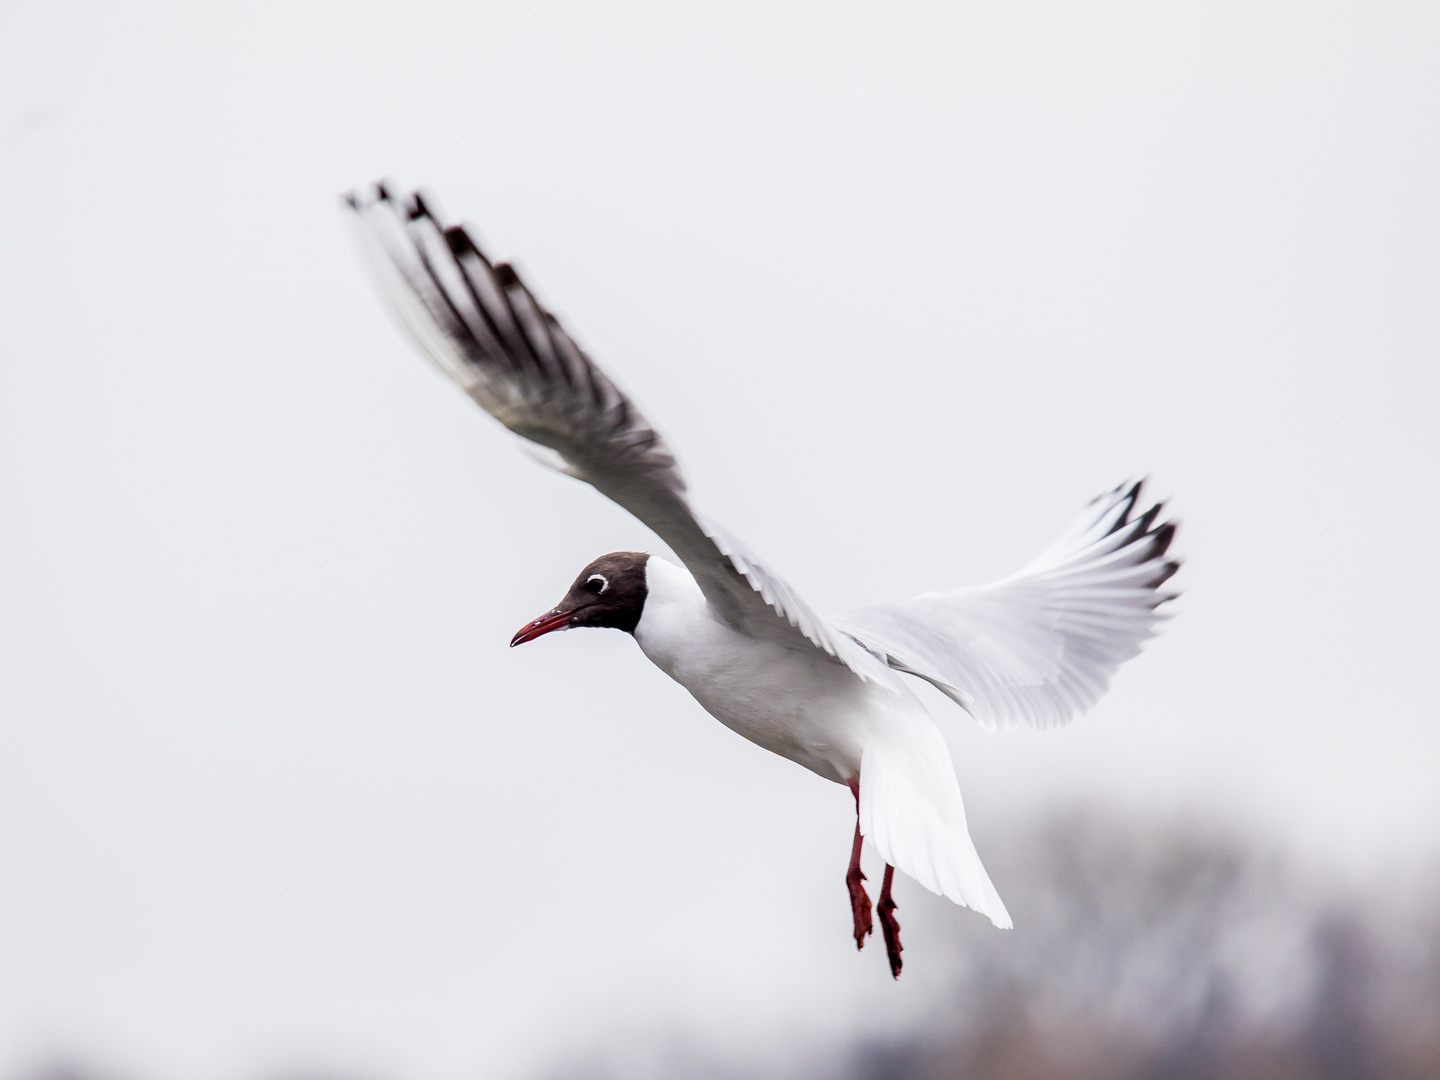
{"x":1037,"y":648}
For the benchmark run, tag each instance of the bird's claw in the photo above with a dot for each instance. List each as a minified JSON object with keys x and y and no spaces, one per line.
{"x":890,"y":930}
{"x":859,"y":907}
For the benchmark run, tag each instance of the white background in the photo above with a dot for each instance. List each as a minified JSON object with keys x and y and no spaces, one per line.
{"x":905,"y":284}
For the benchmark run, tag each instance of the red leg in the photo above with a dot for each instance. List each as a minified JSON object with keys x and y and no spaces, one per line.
{"x":859,"y":899}
{"x":888,"y":924}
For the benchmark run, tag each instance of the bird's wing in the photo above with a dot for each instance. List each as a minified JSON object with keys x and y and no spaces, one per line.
{"x":1040,"y":647}
{"x":486,"y":330}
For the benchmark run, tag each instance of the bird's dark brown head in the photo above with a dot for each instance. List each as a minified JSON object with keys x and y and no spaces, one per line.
{"x":609,"y":592}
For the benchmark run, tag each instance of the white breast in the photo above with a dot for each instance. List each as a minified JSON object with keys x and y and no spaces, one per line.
{"x":796,"y":703}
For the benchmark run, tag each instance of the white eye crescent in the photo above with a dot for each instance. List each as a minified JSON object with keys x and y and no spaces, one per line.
{"x":597,"y":583}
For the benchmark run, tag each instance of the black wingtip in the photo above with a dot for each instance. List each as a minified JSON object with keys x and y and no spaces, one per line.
{"x":1166,"y":572}
{"x":419,"y":207}
{"x":383,"y":192}
{"x":351,"y":200}
{"x":458,"y":240}
{"x":506,"y":276}
{"x":1128,"y":500}
{"x":1161,"y":539}
{"x":1147,"y":519}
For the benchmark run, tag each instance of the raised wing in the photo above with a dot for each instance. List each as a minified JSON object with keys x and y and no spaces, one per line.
{"x":1041,"y":646}
{"x":486,"y":330}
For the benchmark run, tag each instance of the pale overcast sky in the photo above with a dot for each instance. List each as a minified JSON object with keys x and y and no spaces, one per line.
{"x":905,"y":284}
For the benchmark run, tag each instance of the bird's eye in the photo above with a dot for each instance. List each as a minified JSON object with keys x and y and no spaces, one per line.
{"x":597,"y":583}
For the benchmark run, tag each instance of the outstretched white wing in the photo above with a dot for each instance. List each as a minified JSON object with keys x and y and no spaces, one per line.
{"x":486,"y":330}
{"x":1041,"y":646}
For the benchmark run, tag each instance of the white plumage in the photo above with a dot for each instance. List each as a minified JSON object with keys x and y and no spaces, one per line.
{"x":1036,"y":648}
{"x":1039,"y":647}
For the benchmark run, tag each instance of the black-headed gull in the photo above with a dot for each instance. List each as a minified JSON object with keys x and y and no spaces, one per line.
{"x":1037,"y":648}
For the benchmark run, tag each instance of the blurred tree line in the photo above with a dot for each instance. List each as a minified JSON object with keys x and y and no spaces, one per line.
{"x":1146,"y":951}
{"x":1175,"y":954}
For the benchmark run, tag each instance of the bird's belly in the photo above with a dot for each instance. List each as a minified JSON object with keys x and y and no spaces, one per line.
{"x":794,"y":703}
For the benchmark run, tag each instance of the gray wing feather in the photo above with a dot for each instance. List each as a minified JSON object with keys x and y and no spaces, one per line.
{"x":1041,"y":646}
{"x":481,"y":325}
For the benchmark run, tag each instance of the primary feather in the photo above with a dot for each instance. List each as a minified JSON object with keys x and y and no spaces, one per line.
{"x":1041,"y":646}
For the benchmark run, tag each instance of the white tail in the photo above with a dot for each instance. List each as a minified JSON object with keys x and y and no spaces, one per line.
{"x":911,"y":810}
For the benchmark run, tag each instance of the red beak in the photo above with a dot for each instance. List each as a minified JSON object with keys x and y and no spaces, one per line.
{"x":551,"y":620}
